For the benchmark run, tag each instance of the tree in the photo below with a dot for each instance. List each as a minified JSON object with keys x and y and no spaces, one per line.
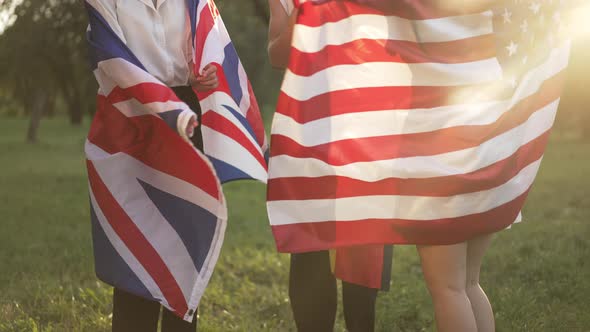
{"x":24,"y":77}
{"x":44,"y":54}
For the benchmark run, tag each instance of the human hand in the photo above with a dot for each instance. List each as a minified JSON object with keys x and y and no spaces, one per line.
{"x":207,"y":80}
{"x":191,"y":126}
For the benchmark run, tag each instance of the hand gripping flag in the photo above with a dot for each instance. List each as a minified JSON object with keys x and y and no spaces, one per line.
{"x":410,"y":122}
{"x":158,"y":212}
{"x":233,"y":131}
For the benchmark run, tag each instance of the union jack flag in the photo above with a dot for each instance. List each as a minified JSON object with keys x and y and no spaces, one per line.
{"x":410,"y":122}
{"x":233,"y":131}
{"x":158,"y":211}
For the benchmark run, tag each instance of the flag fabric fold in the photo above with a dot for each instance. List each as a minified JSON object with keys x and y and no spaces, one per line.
{"x":157,"y":208}
{"x":405,"y":122}
{"x":233,"y":131}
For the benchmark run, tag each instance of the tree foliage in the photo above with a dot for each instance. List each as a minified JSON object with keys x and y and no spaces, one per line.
{"x":44,"y":53}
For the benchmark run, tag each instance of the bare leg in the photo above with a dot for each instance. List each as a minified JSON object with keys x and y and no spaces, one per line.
{"x":482,"y":309}
{"x":444,"y":269}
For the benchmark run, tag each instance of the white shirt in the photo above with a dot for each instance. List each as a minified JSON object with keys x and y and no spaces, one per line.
{"x":159,"y":35}
{"x":288,"y":5}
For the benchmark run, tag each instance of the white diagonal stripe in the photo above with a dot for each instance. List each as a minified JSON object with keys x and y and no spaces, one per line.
{"x":225,"y":149}
{"x":126,"y":254}
{"x":125,"y":73}
{"x":132,"y":107}
{"x":214,"y":103}
{"x":120,"y":173}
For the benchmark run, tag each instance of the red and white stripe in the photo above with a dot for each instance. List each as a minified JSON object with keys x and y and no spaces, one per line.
{"x":143,"y":238}
{"x":131,"y":143}
{"x":222,"y":132}
{"x":401,"y":129}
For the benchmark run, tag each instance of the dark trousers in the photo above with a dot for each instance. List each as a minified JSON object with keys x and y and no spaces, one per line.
{"x":187,"y":95}
{"x":312,"y":290}
{"x":135,"y":314}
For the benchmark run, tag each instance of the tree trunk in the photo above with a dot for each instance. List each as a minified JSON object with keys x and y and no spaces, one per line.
{"x":26,"y":101}
{"x":72,"y":99}
{"x":38,"y":105}
{"x":50,"y":110}
{"x":75,"y":110}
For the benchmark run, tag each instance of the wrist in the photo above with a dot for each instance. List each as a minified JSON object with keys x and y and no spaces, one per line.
{"x":184,"y":120}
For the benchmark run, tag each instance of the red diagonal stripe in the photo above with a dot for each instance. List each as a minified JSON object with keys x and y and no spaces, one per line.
{"x":254,"y":117}
{"x":144,"y":93}
{"x":224,"y":126}
{"x":149,"y":140}
{"x":137,"y":243}
{"x":204,"y":26}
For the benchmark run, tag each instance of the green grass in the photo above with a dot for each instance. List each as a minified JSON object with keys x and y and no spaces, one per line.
{"x":537,"y":274}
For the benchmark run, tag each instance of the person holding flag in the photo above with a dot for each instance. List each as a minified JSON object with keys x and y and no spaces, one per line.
{"x":413,"y":123}
{"x":156,"y":161}
{"x":312,"y":283}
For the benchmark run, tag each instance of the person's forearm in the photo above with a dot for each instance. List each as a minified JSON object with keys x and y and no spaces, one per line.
{"x":279,"y":46}
{"x":279,"y":50}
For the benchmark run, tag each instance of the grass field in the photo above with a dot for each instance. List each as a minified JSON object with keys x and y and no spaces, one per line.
{"x":537,"y":274}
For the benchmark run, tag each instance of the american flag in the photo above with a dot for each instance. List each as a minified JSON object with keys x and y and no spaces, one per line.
{"x":158,"y":211}
{"x":411,"y":122}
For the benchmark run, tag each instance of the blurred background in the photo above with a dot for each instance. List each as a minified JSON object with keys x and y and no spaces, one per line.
{"x":537,"y":274}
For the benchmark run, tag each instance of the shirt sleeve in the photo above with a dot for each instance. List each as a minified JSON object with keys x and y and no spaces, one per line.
{"x":188,"y":44}
{"x":182,"y":122}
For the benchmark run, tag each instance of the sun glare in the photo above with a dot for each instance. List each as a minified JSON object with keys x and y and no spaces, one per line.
{"x":577,"y":22}
{"x":7,"y":16}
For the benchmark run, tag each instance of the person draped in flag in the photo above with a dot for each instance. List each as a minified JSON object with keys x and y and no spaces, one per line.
{"x":414,"y":122}
{"x":176,"y":117}
{"x":312,"y":284}
{"x":158,"y":33}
